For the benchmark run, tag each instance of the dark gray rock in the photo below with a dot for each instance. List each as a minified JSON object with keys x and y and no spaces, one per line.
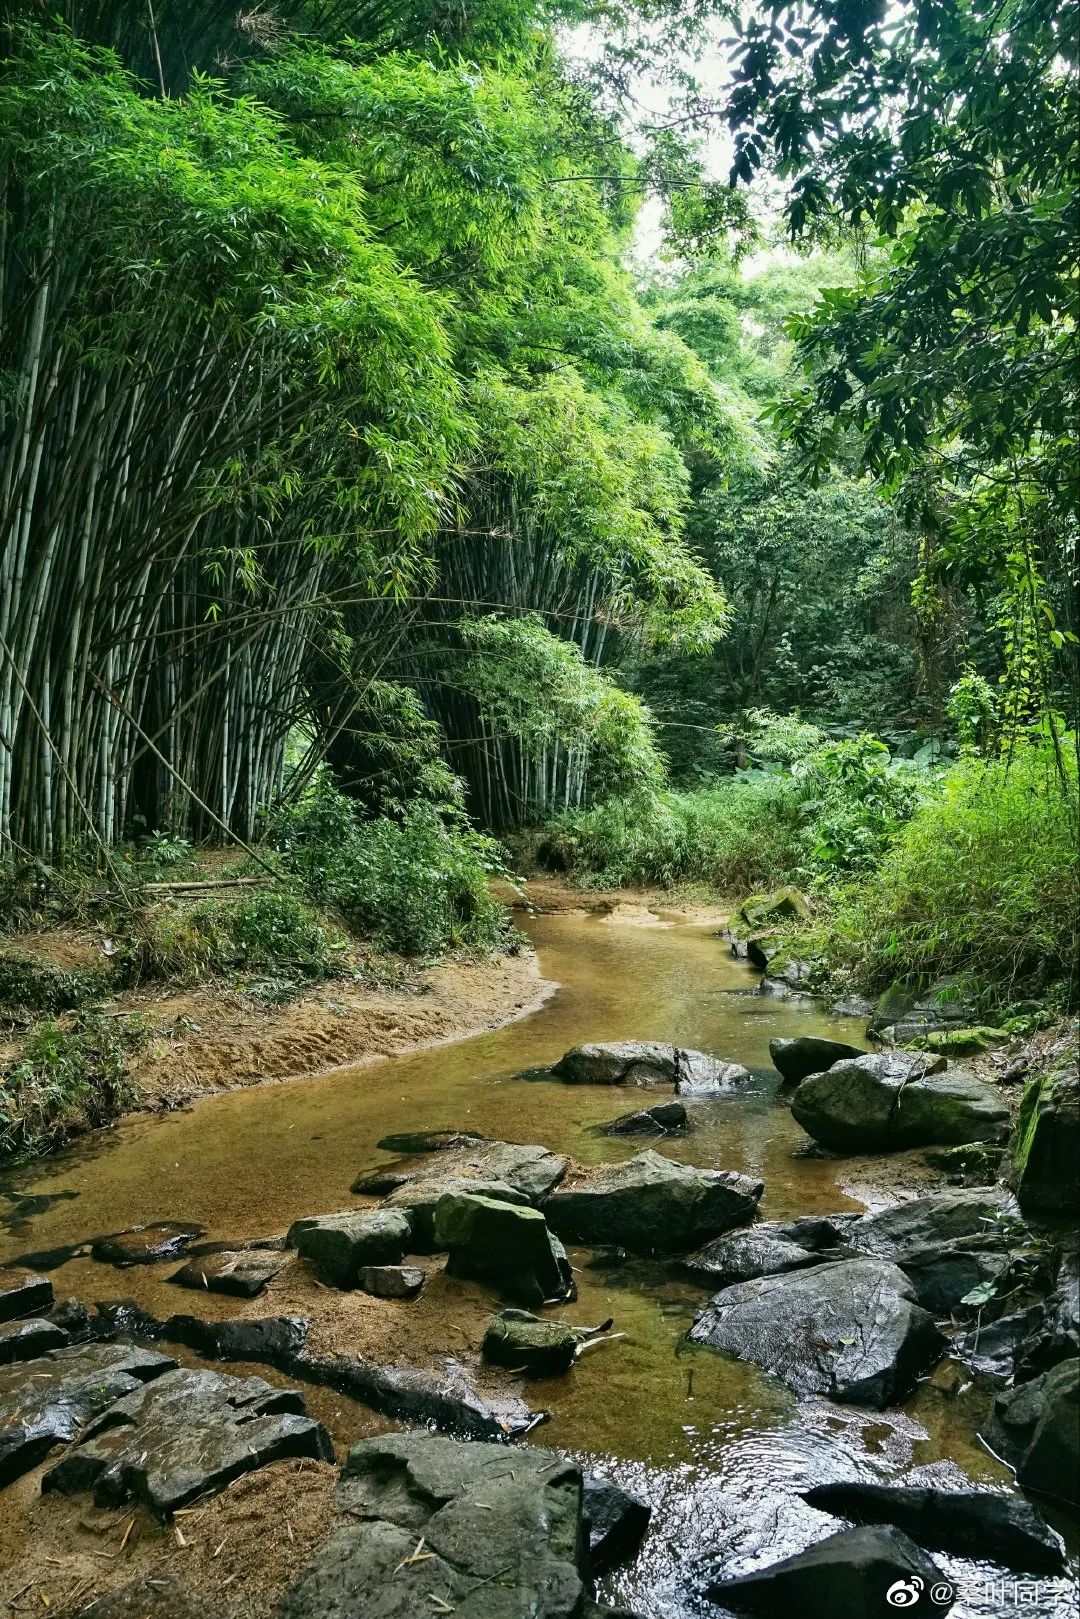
{"x":648,"y":1062}
{"x":665,"y":1119}
{"x":502,"y":1531}
{"x":1035,"y":1427}
{"x":186,"y":1435}
{"x":616,"y":1523}
{"x":146,"y":1245}
{"x":808,"y":1054}
{"x":740,"y":1256}
{"x":989,"y":1214}
{"x":510,"y":1247}
{"x":650,"y":1203}
{"x":242,"y":1273}
{"x":338,"y":1245}
{"x":947,"y":1004}
{"x":978,"y":1523}
{"x":23,"y":1293}
{"x":1056,"y":1337}
{"x":944,"y":1276}
{"x":893,"y":1099}
{"x":122,"y":1319}
{"x":851,"y":1330}
{"x":445,"y":1400}
{"x":416,"y":1141}
{"x":420,"y":1198}
{"x":848,"y":1574}
{"x":25,"y":1340}
{"x":530,"y":1171}
{"x":975,"y":1163}
{"x":275,"y":1339}
{"x":391,"y":1281}
{"x":530,"y":1344}
{"x":47,"y":1402}
{"x":1046,"y":1151}
{"x":790,"y":975}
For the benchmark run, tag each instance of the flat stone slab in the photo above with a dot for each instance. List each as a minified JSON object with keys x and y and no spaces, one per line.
{"x":416,"y":1141}
{"x":46,"y":1402}
{"x":665,"y":1119}
{"x":186,"y":1435}
{"x":501,"y":1530}
{"x":24,"y":1292}
{"x":25,"y":1340}
{"x":146,"y":1245}
{"x":243,"y":1273}
{"x":889,"y":1100}
{"x":806,"y":1054}
{"x":275,"y":1339}
{"x":851,"y":1330}
{"x":338,"y":1245}
{"x":391,"y":1281}
{"x":529,"y":1170}
{"x":1006,"y":1528}
{"x":651,"y":1204}
{"x":847,"y":1574}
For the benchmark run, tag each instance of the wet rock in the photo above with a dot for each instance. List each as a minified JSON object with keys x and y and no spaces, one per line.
{"x":851,"y":1330}
{"x":275,"y":1339}
{"x":445,"y":1400}
{"x":894,"y":1099}
{"x":122,"y":1318}
{"x":417,"y":1141}
{"x":22,"y":1293}
{"x":420,"y":1198}
{"x":1057,"y":1335}
{"x":992,"y":1348}
{"x":791,"y":975}
{"x":740,"y":1256}
{"x":944,"y":1276}
{"x":524,"y":1341}
{"x":391,"y":1281}
{"x":502,"y":1540}
{"x":186,"y":1435}
{"x":1035,"y":1427}
{"x":782,"y":905}
{"x":651,"y":1203}
{"x":25,"y":1340}
{"x":244,"y":1273}
{"x":74,"y":1318}
{"x":852,"y":1006}
{"x":530,"y":1171}
{"x":146,"y":1245}
{"x":990,"y":1213}
{"x":975,"y":1163}
{"x":703,"y":1076}
{"x":848,"y":1574}
{"x":512,"y":1248}
{"x":665,"y":1119}
{"x":982,"y":1523}
{"x":615,"y":1521}
{"x":1046,"y":1153}
{"x":808,"y":1054}
{"x":338,"y":1245}
{"x":48,"y":1401}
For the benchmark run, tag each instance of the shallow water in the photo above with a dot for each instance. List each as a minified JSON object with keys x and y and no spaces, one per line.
{"x":717,"y":1447}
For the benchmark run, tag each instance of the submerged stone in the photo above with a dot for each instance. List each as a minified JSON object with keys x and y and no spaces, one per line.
{"x":146,"y":1245}
{"x":665,"y":1119}
{"x":851,"y":1330}
{"x":186,"y":1435}
{"x":650,"y":1203}
{"x":847,"y":1575}
{"x":445,"y":1399}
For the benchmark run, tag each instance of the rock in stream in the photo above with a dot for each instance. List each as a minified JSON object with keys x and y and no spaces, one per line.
{"x":651,"y":1204}
{"x":894,"y":1099}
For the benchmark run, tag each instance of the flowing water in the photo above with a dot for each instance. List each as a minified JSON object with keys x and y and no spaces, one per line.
{"x":719,"y":1449}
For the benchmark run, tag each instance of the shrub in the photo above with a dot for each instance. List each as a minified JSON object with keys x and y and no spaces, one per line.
{"x":981,"y":880}
{"x":276,"y":928}
{"x":416,"y":884}
{"x":67,"y":1081}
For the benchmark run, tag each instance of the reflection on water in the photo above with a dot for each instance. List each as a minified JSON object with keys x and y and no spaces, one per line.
{"x":719,"y":1449}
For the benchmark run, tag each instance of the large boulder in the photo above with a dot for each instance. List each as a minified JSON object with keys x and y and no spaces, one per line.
{"x":649,"y":1062}
{"x":507,"y":1246}
{"x":529,"y":1171}
{"x":185,"y":1435}
{"x":851,"y":1330}
{"x":338,"y":1245}
{"x":501,"y":1535}
{"x":651,"y":1204}
{"x":980,"y":1523}
{"x":1046,"y":1151}
{"x":47,"y":1402}
{"x":23,"y":1292}
{"x":808,"y":1054}
{"x":895,"y":1099}
{"x":852,"y":1574}
{"x":989,"y":1213}
{"x":1035,"y":1427}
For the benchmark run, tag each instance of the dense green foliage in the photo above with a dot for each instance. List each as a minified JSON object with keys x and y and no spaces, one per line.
{"x":66,"y":1080}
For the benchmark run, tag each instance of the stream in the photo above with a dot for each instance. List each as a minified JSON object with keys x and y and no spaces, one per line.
{"x":718,"y":1448}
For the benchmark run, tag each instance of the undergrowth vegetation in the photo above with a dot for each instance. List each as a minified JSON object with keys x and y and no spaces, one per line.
{"x":67,"y":1080}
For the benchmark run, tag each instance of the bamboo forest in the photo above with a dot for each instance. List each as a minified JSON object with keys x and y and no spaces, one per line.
{"x":539,"y":814}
